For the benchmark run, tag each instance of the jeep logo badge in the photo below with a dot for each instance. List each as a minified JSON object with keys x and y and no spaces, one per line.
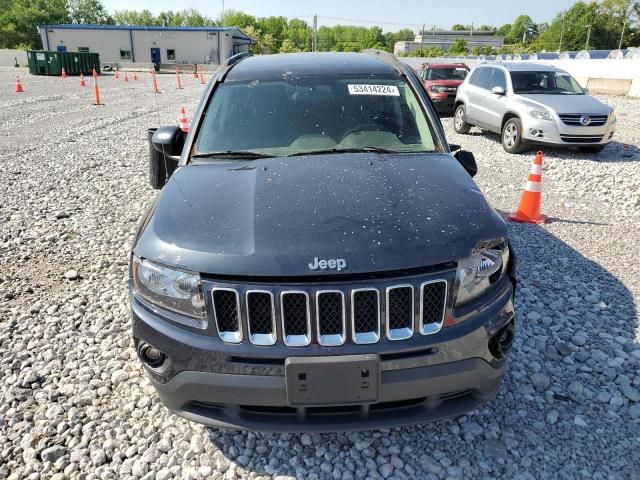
{"x":585,"y":120}
{"x":331,"y":263}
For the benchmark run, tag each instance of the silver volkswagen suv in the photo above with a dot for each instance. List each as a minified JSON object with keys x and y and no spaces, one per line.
{"x":531,"y":103}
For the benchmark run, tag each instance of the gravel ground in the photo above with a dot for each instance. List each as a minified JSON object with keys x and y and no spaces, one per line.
{"x":75,"y":402}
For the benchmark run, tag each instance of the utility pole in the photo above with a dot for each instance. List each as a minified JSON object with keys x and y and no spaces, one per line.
{"x":561,"y":33}
{"x":624,"y":25}
{"x":524,"y":37}
{"x":421,"y":39}
{"x":223,"y":22}
{"x":314,"y":34}
{"x":586,"y":47}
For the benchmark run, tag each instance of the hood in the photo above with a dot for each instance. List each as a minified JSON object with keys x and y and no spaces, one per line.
{"x":273,"y":217}
{"x":568,"y":103}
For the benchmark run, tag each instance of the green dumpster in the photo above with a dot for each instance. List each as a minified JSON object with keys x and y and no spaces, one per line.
{"x":51,"y":63}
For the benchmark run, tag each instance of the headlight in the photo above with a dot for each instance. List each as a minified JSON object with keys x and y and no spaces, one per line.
{"x":541,"y":115}
{"x":175,"y":290}
{"x":477,"y":273}
{"x":612,"y":116}
{"x":438,"y":88}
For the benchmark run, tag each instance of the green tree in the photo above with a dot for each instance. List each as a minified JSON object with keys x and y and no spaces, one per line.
{"x":458,"y":47}
{"x":236,"y":18}
{"x":299,"y":35}
{"x":459,"y":26}
{"x":89,"y":11}
{"x":19,"y":20}
{"x":504,"y":30}
{"x":133,"y":17}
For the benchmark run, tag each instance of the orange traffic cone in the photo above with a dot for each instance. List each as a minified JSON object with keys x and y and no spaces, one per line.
{"x":96,"y":89}
{"x":529,"y":208}
{"x":201,"y":78}
{"x":18,"y":85}
{"x":135,"y":77}
{"x":184,"y":124}
{"x":117,"y":73}
{"x":195,"y":72}
{"x":64,"y":74}
{"x":126,"y":77}
{"x":82,"y":82}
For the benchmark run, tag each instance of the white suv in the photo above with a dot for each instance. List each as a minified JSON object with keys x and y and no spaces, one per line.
{"x":530,"y":103}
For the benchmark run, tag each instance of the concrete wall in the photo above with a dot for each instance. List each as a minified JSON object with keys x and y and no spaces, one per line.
{"x":188,"y":46}
{"x":616,"y":77}
{"x":8,"y":56}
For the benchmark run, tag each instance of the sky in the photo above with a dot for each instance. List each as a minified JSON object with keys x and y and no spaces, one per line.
{"x":391,"y":15}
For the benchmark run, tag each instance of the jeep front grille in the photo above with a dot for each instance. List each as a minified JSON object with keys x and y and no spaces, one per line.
{"x":330,"y":318}
{"x":261,"y":317}
{"x":362,"y":312}
{"x":226,"y":309}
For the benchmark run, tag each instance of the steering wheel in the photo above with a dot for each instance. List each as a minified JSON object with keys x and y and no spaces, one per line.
{"x":363,"y":127}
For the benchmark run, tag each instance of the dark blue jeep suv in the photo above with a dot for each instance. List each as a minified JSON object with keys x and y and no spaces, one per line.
{"x":321,"y":258}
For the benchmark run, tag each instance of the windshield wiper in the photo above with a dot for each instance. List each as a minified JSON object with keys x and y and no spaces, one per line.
{"x":345,"y":150}
{"x":240,"y":154}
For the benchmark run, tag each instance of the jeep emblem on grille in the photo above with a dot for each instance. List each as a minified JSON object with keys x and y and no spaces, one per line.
{"x":331,"y":263}
{"x":585,"y":120}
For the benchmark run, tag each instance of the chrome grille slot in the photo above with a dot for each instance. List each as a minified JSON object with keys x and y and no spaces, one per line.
{"x":296,"y":319}
{"x":433,"y":300}
{"x":330,"y":317}
{"x":226,"y":309}
{"x":400,"y":310}
{"x":365,"y":315}
{"x":261,"y":317}
{"x":573,"y":119}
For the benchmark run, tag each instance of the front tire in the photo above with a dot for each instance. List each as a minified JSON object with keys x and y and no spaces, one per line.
{"x":512,"y":136}
{"x":459,"y":121}
{"x":594,"y":149}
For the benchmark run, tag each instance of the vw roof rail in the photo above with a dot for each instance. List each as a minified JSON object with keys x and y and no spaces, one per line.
{"x":232,"y":60}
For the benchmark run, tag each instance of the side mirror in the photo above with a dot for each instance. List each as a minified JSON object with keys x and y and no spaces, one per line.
{"x":586,"y":91}
{"x":168,"y":140}
{"x":468,"y":161}
{"x":165,"y":147}
{"x":498,"y":91}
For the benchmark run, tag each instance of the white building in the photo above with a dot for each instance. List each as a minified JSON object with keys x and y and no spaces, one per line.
{"x":444,"y":38}
{"x":147,"y":44}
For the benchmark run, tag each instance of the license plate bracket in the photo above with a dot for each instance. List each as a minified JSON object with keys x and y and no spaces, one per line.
{"x":343,"y":380}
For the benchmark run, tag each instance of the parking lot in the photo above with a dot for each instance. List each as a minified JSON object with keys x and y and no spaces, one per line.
{"x":75,"y":402}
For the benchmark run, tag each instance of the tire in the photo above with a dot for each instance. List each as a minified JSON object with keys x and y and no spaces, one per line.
{"x":594,"y":149}
{"x":459,"y":123}
{"x":511,"y":136}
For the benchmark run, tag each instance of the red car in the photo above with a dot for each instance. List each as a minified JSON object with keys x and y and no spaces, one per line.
{"x":441,"y":80}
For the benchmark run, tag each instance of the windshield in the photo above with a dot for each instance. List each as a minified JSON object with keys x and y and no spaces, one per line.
{"x":547,"y":83}
{"x":458,"y":73}
{"x":307,"y":114}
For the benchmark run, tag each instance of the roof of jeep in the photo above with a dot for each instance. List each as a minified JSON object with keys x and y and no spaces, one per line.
{"x":272,"y":67}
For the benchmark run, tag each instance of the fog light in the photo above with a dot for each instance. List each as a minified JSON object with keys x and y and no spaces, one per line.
{"x":150,"y":355}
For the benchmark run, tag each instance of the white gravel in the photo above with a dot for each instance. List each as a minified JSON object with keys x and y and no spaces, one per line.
{"x":75,"y":402}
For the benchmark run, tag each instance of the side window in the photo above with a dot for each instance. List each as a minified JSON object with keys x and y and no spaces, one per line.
{"x":498,"y":79}
{"x":171,"y":54}
{"x":473,"y":79}
{"x":484,"y":78}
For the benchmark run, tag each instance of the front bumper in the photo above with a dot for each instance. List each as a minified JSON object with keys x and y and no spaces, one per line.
{"x":244,"y":386}
{"x":557,"y":133}
{"x":443,"y":102}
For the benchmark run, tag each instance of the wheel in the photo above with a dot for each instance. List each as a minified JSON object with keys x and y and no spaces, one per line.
{"x":157,"y":171}
{"x":512,"y":136}
{"x":459,"y":123}
{"x":593,"y":149}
